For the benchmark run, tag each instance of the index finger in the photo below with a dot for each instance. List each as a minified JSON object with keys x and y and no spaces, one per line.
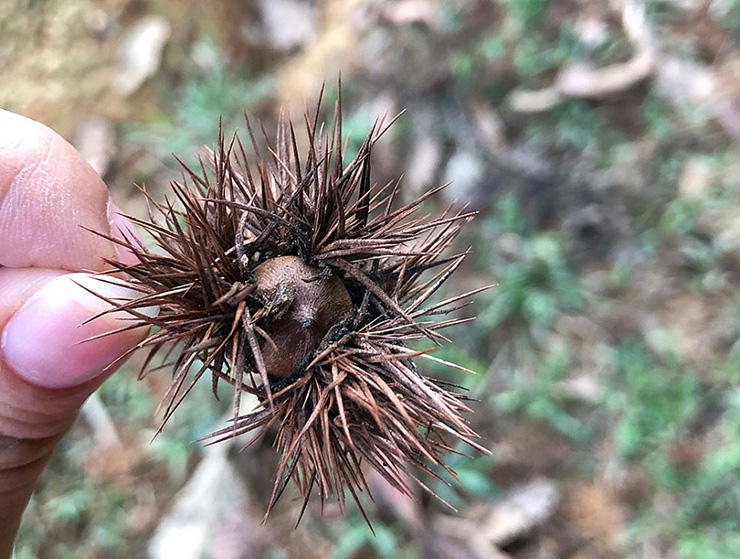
{"x":49,"y":195}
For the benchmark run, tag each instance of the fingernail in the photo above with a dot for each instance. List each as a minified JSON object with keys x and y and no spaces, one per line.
{"x":44,"y":342}
{"x":123,"y":229}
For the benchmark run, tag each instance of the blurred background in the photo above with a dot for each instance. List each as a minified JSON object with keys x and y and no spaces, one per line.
{"x":598,"y":139}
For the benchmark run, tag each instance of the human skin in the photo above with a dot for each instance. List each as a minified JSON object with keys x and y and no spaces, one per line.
{"x":49,"y":195}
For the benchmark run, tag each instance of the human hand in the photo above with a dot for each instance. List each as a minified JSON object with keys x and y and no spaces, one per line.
{"x":48,"y":193}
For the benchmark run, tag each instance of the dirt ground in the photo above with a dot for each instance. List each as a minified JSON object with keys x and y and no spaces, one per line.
{"x":599,"y":142}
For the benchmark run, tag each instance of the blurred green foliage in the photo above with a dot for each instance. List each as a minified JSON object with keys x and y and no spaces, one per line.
{"x":651,"y":402}
{"x":534,"y":56}
{"x":534,"y":282}
{"x":542,"y":397}
{"x":656,"y":406}
{"x":526,"y":12}
{"x":210,"y":93}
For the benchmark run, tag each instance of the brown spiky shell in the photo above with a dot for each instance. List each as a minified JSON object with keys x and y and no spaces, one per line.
{"x":298,"y":280}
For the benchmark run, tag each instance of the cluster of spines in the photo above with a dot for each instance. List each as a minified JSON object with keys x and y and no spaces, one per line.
{"x":359,"y":396}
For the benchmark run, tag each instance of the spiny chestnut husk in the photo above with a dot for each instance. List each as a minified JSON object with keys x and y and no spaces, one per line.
{"x":298,"y":280}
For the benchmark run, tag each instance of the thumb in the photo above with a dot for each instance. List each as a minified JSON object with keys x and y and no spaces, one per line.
{"x":46,"y":341}
{"x":47,"y":370}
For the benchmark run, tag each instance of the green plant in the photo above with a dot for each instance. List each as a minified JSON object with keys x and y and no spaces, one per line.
{"x":580,"y":126}
{"x":533,"y":55}
{"x":704,"y":515}
{"x":534,"y":286}
{"x":526,"y":12}
{"x":466,"y":63}
{"x":534,"y":280}
{"x":658,"y":117}
{"x":190,"y":117}
{"x":84,"y":505}
{"x":383,"y":540}
{"x":541,"y":397}
{"x":652,"y":401}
